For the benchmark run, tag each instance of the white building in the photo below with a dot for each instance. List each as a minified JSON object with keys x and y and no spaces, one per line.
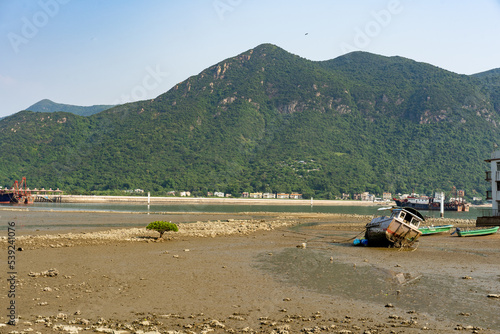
{"x":493,"y":176}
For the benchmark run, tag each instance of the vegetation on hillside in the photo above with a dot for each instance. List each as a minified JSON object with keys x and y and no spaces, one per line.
{"x":270,"y":121}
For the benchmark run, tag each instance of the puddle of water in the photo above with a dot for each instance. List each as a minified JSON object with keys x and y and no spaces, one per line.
{"x":442,"y":296}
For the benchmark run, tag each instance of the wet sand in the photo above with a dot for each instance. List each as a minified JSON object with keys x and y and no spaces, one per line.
{"x":240,"y":273}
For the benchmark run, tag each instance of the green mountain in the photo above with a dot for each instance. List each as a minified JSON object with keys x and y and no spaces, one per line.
{"x":50,"y":106}
{"x":490,"y":80}
{"x":268,"y":120}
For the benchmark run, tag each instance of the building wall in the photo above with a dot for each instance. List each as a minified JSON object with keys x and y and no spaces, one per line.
{"x":495,"y":177}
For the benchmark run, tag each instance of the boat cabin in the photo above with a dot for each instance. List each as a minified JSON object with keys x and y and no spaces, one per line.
{"x":408,"y":215}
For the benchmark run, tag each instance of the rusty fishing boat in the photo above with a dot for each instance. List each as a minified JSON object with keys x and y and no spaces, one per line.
{"x":18,"y":194}
{"x":400,"y":229}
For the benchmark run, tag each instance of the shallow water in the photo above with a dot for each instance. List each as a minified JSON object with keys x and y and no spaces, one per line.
{"x":226,"y":208}
{"x":442,"y":296}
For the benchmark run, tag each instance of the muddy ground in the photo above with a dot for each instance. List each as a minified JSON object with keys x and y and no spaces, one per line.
{"x":245,"y":273}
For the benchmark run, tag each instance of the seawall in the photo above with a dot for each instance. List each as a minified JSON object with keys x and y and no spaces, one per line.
{"x":212,"y":200}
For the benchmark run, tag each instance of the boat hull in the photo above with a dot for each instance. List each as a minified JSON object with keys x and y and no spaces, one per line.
{"x":477,"y":232}
{"x":428,"y":230}
{"x":6,"y":197}
{"x":408,"y":204}
{"x":376,"y":232}
{"x":433,"y":206}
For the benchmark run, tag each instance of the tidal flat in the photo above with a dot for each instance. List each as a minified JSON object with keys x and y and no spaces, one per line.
{"x":245,"y":273}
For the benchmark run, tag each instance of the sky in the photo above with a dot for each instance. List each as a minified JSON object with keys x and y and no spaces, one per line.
{"x":88,"y":52}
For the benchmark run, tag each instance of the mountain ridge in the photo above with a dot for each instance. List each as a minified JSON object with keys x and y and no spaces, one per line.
{"x":268,"y":120}
{"x":47,"y":105}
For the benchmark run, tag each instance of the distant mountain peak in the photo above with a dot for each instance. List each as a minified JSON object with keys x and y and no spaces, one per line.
{"x":47,"y":105}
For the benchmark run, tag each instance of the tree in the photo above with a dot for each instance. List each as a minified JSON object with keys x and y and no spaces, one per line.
{"x":162,"y":227}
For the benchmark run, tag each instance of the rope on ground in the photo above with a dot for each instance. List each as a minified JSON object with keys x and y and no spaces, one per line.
{"x":324,"y":236}
{"x":351,"y":239}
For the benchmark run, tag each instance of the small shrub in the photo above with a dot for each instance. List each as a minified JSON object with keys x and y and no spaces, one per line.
{"x":162,"y":227}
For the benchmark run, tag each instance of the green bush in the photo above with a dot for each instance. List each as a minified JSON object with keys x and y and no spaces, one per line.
{"x":162,"y":227}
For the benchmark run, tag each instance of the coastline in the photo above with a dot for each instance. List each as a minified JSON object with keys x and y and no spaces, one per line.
{"x":214,"y":200}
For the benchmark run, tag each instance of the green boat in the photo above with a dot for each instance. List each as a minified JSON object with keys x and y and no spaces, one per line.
{"x":427,"y":230}
{"x":476,"y":231}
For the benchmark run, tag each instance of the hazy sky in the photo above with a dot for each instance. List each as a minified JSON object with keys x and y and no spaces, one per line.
{"x":87,"y":52}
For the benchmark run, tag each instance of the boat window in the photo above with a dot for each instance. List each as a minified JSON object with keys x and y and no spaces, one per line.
{"x":395,"y":213}
{"x":415,"y":221}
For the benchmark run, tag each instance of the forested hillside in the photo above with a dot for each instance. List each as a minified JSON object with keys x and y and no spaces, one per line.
{"x":267,"y":120}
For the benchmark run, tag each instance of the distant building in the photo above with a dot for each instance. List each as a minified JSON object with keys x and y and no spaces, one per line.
{"x":209,"y":193}
{"x":282,"y":195}
{"x":171,"y":193}
{"x":367,"y":197}
{"x":493,"y":176}
{"x":229,"y":195}
{"x":356,"y":197}
{"x":245,"y":194}
{"x":345,"y":196}
{"x":255,"y":195}
{"x":185,"y":193}
{"x":268,"y":195}
{"x":387,"y":196}
{"x":218,"y":194}
{"x":295,"y":196}
{"x":138,"y":190}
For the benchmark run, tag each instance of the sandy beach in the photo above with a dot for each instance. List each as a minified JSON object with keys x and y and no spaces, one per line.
{"x":239,"y":273}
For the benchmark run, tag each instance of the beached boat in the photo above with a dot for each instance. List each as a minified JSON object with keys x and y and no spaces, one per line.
{"x":399,"y":229}
{"x":427,"y":230}
{"x":478,"y":231}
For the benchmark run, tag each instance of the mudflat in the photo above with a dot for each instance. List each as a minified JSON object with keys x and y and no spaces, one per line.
{"x":237,"y":273}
